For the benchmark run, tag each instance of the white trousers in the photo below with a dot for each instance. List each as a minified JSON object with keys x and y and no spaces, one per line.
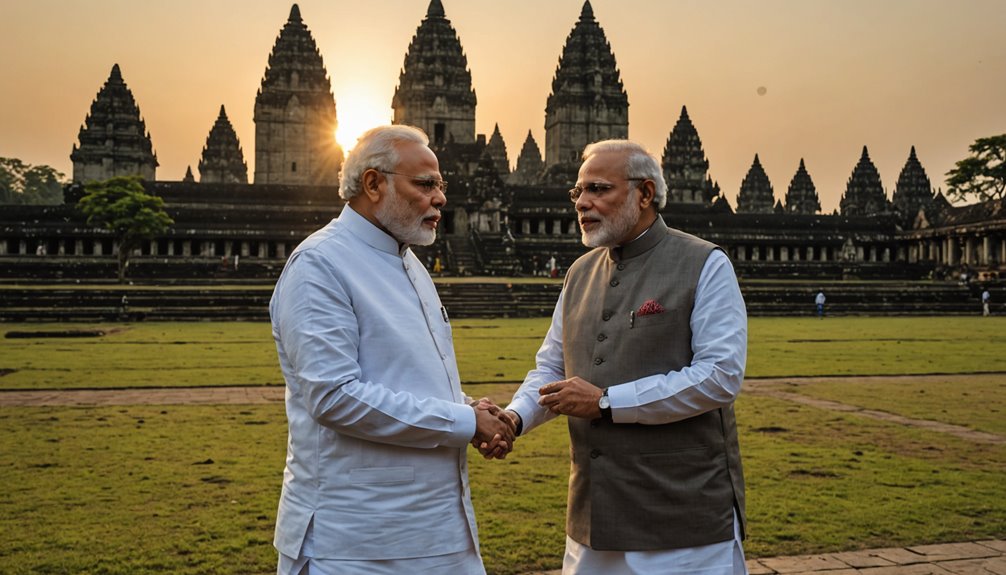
{"x":725,"y":558}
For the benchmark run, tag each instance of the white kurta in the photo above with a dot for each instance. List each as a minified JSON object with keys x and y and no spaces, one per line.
{"x":378,"y":424}
{"x":719,"y":344}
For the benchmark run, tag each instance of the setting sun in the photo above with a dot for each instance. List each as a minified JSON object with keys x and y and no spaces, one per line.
{"x":359,"y":109}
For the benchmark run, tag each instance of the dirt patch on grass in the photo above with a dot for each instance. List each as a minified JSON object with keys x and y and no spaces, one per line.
{"x":770,"y":388}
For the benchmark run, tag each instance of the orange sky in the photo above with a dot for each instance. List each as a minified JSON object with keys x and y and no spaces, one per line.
{"x":838,"y":74}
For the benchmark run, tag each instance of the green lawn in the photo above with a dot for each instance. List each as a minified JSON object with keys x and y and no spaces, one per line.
{"x":193,"y":489}
{"x":242,"y":353}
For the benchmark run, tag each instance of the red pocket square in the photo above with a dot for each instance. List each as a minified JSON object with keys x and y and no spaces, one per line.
{"x":650,"y":307}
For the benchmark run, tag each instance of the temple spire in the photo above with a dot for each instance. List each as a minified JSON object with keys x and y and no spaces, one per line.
{"x":436,"y":10}
{"x":295,"y":117}
{"x":434,"y":91}
{"x":113,"y":139}
{"x":913,"y":192}
{"x":496,"y":148}
{"x":588,"y":101}
{"x":864,"y":192}
{"x":529,"y":164}
{"x":756,"y":195}
{"x":685,"y":166}
{"x":801,"y":197}
{"x":222,"y":160}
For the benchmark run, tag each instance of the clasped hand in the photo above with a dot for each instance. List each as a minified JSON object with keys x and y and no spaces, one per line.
{"x":495,"y":430}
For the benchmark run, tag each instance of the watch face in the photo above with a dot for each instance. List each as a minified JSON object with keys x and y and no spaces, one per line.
{"x":604,"y":402}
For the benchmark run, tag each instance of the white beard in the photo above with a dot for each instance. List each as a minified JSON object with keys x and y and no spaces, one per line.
{"x":395,"y":216}
{"x":609,"y":231}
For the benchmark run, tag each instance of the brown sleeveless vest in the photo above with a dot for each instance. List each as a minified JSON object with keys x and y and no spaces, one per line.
{"x":636,"y":487}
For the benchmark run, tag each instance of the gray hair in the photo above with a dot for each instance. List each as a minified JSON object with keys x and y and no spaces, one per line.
{"x":640,"y":164}
{"x":377,"y":149}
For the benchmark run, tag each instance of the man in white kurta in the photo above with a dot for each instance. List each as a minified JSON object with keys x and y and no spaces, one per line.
{"x":376,"y":476}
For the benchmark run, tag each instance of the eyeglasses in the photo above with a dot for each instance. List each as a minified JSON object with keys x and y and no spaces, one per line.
{"x":428,"y":184}
{"x":596,"y":189}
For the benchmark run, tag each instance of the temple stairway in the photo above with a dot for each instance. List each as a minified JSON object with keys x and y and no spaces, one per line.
{"x":467,"y":299}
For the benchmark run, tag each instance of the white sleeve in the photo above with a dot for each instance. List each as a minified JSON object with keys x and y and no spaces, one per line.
{"x":719,"y":347}
{"x":317,"y":335}
{"x":549,"y":367}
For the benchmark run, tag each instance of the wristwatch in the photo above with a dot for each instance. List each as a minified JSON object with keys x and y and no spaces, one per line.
{"x":605,"y":404}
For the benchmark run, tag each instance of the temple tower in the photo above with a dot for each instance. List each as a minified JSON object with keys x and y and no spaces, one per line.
{"x":756,"y":195}
{"x":295,"y":118}
{"x":588,"y":102}
{"x":801,"y":197}
{"x":434,"y":90}
{"x":223,"y":162}
{"x":496,"y":148}
{"x":686,"y":166}
{"x":864,"y":194}
{"x":529,"y":163}
{"x":913,"y":190}
{"x":113,"y":139}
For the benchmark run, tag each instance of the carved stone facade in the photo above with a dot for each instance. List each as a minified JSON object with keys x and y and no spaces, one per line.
{"x":498,"y":222}
{"x":588,"y":102}
{"x":434,"y":90}
{"x":222,"y":161}
{"x":295,"y":119}
{"x":113,"y":139}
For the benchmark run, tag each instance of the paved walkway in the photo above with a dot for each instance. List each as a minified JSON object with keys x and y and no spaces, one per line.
{"x":977,"y":558}
{"x":972,"y":558}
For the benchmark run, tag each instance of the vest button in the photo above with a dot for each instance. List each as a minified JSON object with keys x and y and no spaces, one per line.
{"x":595,"y":453}
{"x":602,"y":337}
{"x":613,"y":283}
{"x":598,"y":361}
{"x":621,"y":267}
{"x":606,"y":316}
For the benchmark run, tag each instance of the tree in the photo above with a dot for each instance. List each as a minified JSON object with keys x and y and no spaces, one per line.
{"x":121,"y":206}
{"x":22,"y":183}
{"x":981,"y":175}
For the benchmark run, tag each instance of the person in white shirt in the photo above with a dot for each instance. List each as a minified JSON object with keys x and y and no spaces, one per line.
{"x":376,"y":477}
{"x":645,"y":356}
{"x":819,"y":300}
{"x":986,"y":302}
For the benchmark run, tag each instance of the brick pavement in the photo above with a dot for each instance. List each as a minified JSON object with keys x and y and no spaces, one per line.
{"x":977,"y":558}
{"x":971,"y":558}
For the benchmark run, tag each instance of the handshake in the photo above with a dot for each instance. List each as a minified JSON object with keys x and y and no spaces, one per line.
{"x":495,"y":429}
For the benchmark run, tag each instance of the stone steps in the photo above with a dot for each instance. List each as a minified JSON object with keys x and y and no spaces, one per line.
{"x":467,"y":300}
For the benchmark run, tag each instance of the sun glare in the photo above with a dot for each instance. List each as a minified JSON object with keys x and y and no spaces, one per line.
{"x":359,"y":109}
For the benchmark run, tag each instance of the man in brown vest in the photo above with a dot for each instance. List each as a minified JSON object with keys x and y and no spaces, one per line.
{"x":645,"y":356}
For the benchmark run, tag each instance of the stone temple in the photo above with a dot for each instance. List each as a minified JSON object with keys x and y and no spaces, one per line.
{"x":498,"y":221}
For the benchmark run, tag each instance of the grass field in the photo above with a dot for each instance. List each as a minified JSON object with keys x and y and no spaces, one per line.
{"x":193,"y":489}
{"x":242,"y":353}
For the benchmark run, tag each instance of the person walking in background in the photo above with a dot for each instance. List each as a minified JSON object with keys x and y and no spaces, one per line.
{"x":986,"y":302}
{"x":819,"y":302}
{"x":645,"y":356}
{"x":376,"y":478}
